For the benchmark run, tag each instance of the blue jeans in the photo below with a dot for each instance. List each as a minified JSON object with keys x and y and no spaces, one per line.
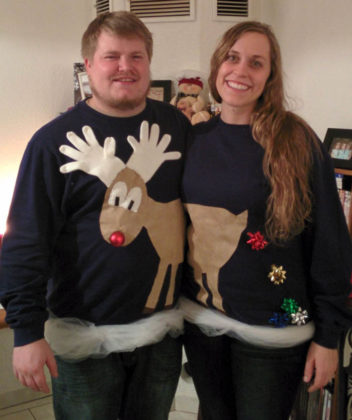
{"x":138,"y":385}
{"x":238,"y":381}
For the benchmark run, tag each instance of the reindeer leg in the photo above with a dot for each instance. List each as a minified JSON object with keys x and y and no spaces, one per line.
{"x":154,"y":294}
{"x":200,"y":279}
{"x":209,"y":285}
{"x":202,"y":295}
{"x":171,"y":291}
{"x":213,"y":284}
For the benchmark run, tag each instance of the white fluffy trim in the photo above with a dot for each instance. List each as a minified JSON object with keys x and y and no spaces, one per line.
{"x":213,"y":323}
{"x":72,"y":338}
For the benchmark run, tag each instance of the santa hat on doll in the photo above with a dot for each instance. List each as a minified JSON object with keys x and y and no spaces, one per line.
{"x":191,"y":81}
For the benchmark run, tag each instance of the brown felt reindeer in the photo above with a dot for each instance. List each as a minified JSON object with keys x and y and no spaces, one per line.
{"x":212,"y":225}
{"x":127,"y":208}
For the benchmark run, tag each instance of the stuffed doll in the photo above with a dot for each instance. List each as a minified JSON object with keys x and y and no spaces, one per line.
{"x":189,"y":99}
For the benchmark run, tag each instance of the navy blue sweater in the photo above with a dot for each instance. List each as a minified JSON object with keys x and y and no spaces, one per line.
{"x":233,"y":269}
{"x":54,"y":255}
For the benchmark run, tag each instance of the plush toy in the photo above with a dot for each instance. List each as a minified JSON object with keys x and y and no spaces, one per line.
{"x":189,"y":99}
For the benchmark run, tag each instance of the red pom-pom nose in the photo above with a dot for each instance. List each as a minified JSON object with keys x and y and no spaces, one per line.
{"x":117,"y":239}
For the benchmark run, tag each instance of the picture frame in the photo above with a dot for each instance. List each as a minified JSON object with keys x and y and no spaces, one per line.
{"x":338,"y":142}
{"x":160,"y":90}
{"x":81,"y":88}
{"x":84,"y":86}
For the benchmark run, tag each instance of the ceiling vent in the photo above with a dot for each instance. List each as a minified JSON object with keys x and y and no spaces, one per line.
{"x":102,"y":6}
{"x":229,"y":9}
{"x":163,"y":10}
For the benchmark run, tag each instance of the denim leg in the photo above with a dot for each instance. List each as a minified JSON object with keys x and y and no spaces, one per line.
{"x":209,"y":361}
{"x":266,"y":380}
{"x":89,"y":390}
{"x":152,"y":381}
{"x":236,"y":381}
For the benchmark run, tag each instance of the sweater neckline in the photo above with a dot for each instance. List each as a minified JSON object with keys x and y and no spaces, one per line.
{"x":225,"y":124}
{"x":87,"y":109}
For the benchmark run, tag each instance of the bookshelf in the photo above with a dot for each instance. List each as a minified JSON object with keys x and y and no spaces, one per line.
{"x":334,"y":402}
{"x":344,"y":186}
{"x":343,"y":387}
{"x":338,"y":143}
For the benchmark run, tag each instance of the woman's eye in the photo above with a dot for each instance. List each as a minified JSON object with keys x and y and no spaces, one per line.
{"x":232,"y":58}
{"x":257,"y":64}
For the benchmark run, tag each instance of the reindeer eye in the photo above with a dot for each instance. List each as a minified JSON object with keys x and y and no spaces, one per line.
{"x":120,"y":198}
{"x":133,"y":199}
{"x":118,"y":194}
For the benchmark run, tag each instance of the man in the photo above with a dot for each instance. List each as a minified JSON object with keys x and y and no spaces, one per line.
{"x":95,"y":239}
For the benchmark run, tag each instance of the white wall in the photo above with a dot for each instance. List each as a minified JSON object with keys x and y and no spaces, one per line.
{"x":316,"y":43}
{"x":39,"y":41}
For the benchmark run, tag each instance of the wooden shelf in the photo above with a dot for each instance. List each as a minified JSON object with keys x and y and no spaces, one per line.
{"x":343,"y":171}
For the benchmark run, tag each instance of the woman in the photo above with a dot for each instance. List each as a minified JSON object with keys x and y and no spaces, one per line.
{"x":269,"y":251}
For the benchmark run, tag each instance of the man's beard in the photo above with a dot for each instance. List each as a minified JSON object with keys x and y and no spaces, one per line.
{"x":123,"y":104}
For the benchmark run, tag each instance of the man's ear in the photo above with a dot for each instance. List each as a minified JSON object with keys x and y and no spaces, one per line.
{"x":87,"y":64}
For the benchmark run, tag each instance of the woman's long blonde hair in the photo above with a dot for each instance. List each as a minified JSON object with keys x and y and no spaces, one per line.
{"x":286,"y":138}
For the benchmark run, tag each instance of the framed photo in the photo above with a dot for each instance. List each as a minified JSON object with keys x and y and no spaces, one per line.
{"x":338,"y":142}
{"x":81,"y":88}
{"x":84,"y":85}
{"x":160,"y":90}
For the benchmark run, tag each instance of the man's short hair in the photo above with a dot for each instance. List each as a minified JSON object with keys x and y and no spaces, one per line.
{"x":124,"y":24}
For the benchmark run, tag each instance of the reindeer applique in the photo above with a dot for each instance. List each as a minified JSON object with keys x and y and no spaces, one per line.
{"x":127,"y":208}
{"x":212,"y":238}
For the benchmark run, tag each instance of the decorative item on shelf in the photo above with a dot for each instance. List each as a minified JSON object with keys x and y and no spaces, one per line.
{"x":338,"y":143}
{"x":189,"y":97}
{"x":160,"y":90}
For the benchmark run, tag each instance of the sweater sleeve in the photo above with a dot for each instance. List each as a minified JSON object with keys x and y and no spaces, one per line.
{"x":34,"y":220}
{"x":330,"y":256}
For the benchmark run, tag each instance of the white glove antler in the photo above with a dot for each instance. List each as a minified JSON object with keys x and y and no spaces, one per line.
{"x":90,"y":157}
{"x":148,"y":155}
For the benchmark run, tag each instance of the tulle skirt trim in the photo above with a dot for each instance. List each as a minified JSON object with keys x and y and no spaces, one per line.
{"x":213,"y":323}
{"x":74,"y":339}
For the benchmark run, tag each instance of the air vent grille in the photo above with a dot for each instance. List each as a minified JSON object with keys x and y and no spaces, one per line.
{"x":161,"y":8}
{"x":235,"y":8}
{"x":102,"y":6}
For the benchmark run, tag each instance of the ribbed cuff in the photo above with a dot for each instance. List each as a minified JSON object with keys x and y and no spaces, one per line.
{"x":23,"y":336}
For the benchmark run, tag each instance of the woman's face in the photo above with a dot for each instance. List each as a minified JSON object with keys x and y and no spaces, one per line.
{"x":242,"y":77}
